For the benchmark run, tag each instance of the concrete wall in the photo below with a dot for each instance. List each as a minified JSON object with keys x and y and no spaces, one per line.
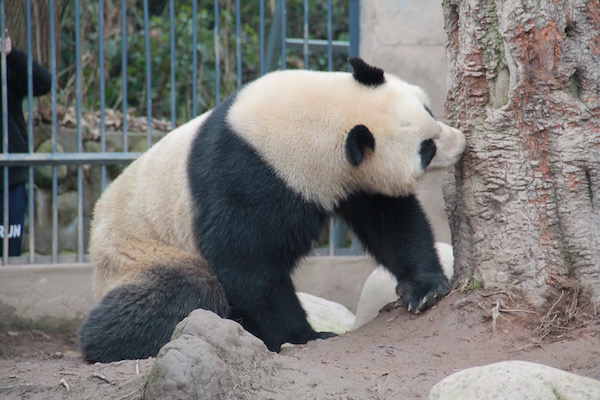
{"x":407,"y":38}
{"x":53,"y":298}
{"x":56,"y":298}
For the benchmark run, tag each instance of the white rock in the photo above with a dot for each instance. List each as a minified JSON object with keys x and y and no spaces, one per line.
{"x":380,"y":287}
{"x":325,"y":315}
{"x":510,"y":380}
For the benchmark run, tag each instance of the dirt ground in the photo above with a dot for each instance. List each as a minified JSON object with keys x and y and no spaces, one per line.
{"x":396,"y":356}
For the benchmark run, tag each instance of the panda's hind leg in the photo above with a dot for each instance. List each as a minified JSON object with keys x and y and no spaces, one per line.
{"x":134,"y":320}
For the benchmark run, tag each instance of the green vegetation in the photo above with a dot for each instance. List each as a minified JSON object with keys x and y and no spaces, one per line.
{"x":160,"y":51}
{"x":473,"y":284}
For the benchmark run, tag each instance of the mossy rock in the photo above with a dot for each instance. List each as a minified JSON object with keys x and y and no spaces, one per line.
{"x":113,"y":170}
{"x":43,"y":175}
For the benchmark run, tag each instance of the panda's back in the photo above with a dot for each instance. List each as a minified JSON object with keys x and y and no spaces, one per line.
{"x":143,"y":217}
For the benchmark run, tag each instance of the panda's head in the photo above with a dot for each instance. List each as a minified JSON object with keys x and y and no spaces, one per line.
{"x":406,"y":136}
{"x":330,"y":134}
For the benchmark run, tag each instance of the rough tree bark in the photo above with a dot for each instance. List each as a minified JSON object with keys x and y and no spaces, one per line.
{"x":524,"y":86}
{"x":16,"y":22}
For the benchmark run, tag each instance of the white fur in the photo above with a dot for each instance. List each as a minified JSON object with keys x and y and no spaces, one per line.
{"x":143,"y":218}
{"x":380,"y":287}
{"x":450,"y":145}
{"x":298,"y":122}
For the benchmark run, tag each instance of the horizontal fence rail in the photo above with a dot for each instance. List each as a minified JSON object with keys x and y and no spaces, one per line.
{"x":280,"y":30}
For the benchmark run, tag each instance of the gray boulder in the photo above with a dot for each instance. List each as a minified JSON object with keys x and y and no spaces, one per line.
{"x":211,"y":358}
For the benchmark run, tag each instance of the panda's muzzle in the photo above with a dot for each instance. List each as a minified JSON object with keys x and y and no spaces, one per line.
{"x":427,"y":152}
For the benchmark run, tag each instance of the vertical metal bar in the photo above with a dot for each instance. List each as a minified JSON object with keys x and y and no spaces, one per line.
{"x":4,"y":135}
{"x":79,"y":136}
{"x":54,"y":132}
{"x":148,"y":73}
{"x":217,"y":55}
{"x":102,"y":89}
{"x":30,"y":193}
{"x":124,"y":73}
{"x":238,"y":41}
{"x":329,"y":37}
{"x":172,"y":34}
{"x":354,"y":26}
{"x":332,"y":236}
{"x":262,"y":37}
{"x":332,"y":232}
{"x":306,"y":34}
{"x":195,"y":58}
{"x":283,"y":36}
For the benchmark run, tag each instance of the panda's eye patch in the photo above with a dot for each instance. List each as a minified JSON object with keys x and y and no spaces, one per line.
{"x":428,"y":110}
{"x":427,"y":152}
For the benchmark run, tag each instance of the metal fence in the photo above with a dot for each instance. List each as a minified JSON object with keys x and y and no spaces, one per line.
{"x":275,"y":48}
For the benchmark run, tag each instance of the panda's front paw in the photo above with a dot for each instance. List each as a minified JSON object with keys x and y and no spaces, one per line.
{"x":419,"y":296}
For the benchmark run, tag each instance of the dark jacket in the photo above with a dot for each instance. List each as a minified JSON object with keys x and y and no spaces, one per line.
{"x":16,"y":79}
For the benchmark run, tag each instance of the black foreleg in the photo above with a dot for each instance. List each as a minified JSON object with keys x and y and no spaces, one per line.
{"x":396,"y":232}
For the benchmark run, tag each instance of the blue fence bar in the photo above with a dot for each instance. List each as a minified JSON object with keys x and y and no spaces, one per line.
{"x":354,"y":25}
{"x":102,"y":90}
{"x":79,"y":136}
{"x":262,"y":37}
{"x":30,"y":194}
{"x":217,"y":38}
{"x":283,"y":36}
{"x":54,"y":132}
{"x":123,"y":74}
{"x":329,"y":37}
{"x":238,"y":43}
{"x":195,"y":57}
{"x":148,"y":72}
{"x":285,"y":45}
{"x":4,"y":135}
{"x":305,"y":31}
{"x":172,"y":37}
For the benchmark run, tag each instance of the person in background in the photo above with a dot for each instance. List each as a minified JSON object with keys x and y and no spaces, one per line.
{"x":16,"y":85}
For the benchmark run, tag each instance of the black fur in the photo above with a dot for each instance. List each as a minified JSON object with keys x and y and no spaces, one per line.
{"x":429,"y":111}
{"x":427,"y":152}
{"x":365,"y":73}
{"x":134,"y":321}
{"x":252,"y":229}
{"x":396,"y":232}
{"x":359,"y":138}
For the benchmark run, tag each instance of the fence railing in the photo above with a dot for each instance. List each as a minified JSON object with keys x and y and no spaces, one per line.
{"x":275,"y":47}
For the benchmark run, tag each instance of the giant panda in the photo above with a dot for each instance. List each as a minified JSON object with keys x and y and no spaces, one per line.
{"x":218,"y":213}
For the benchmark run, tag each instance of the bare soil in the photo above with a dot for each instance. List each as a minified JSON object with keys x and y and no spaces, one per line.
{"x":396,"y":356}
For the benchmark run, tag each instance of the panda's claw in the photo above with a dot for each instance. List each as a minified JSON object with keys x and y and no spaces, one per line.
{"x":418,"y":297}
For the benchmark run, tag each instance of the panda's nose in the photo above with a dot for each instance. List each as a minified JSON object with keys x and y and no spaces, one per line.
{"x":427,"y":152}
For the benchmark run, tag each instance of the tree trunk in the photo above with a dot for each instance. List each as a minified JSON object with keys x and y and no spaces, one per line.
{"x":16,"y":22}
{"x":524,"y":86}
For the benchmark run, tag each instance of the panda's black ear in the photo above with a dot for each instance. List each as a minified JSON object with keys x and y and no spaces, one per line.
{"x":365,"y":73}
{"x":358,"y":140}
